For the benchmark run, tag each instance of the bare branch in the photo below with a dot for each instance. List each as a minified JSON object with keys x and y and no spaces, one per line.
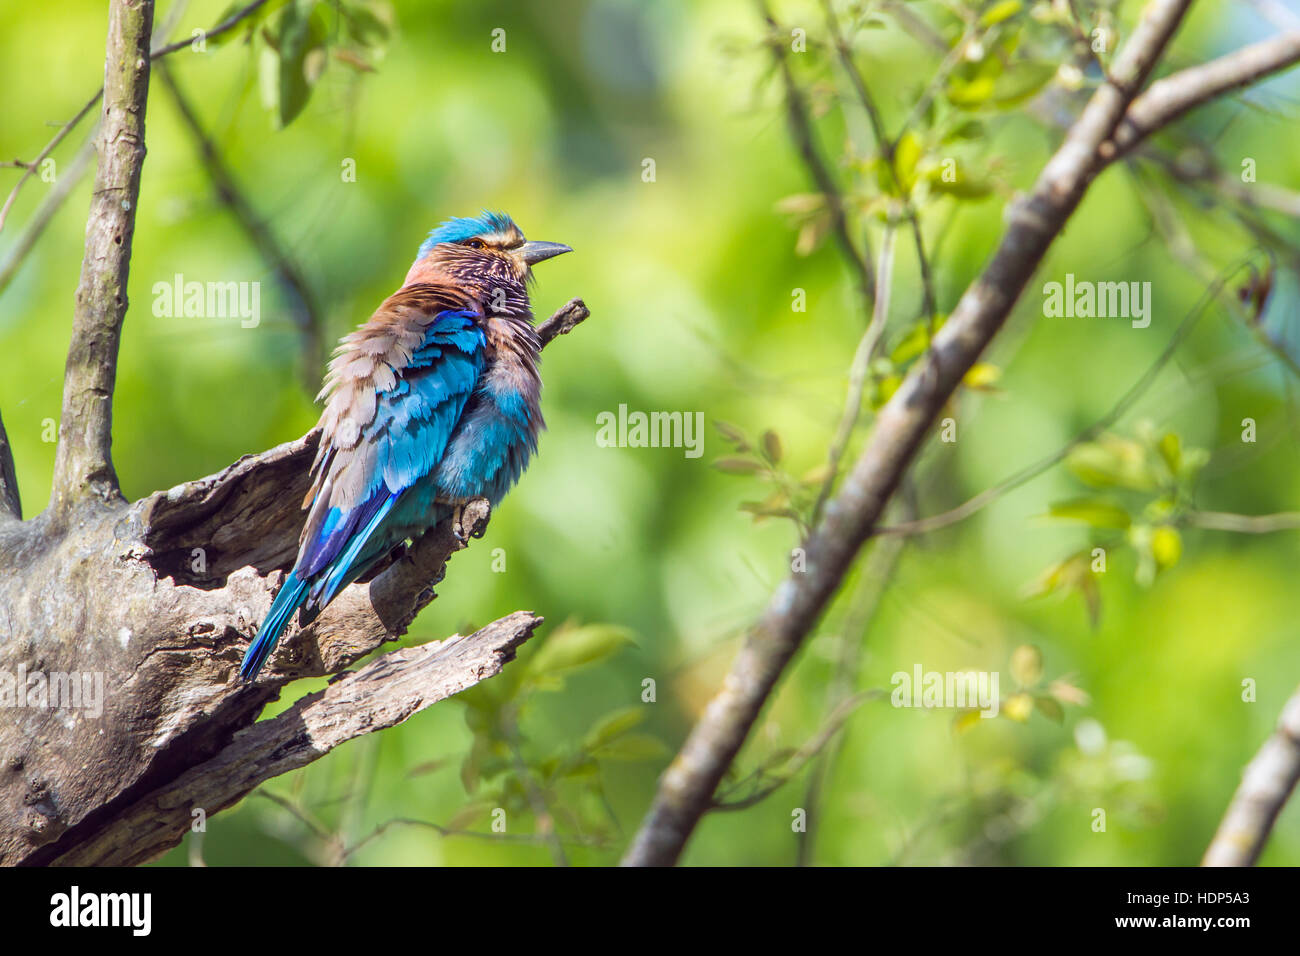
{"x":68,"y":179}
{"x":802,"y":131}
{"x":228,"y":24}
{"x":866,"y":351}
{"x":566,"y":318}
{"x":1245,"y":524}
{"x":307,"y":314}
{"x":1171,"y":97}
{"x":381,"y":695}
{"x":83,"y":464}
{"x":1266,"y":784}
{"x":687,"y":786}
{"x":1117,"y":411}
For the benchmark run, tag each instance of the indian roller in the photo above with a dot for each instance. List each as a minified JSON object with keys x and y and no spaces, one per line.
{"x":432,"y":402}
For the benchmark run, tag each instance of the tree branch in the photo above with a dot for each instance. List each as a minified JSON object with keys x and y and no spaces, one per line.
{"x":83,"y":465}
{"x":1266,"y":784}
{"x":687,"y":787}
{"x":228,"y":24}
{"x":381,"y":695}
{"x":1176,"y":94}
{"x":802,"y":131}
{"x":154,"y":603}
{"x":11,"y":505}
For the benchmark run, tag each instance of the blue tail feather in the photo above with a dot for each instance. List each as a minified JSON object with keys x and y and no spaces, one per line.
{"x":291,"y":595}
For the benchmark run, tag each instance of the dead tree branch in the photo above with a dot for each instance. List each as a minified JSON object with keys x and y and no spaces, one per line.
{"x":381,"y":695}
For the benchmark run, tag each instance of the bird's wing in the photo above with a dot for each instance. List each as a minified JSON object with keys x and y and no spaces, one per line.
{"x":396,"y":387}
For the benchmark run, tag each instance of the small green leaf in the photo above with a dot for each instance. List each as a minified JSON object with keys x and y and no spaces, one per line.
{"x":573,"y":647}
{"x":1166,"y":546}
{"x":1027,"y":665}
{"x":1004,"y":10}
{"x":632,"y":747}
{"x":738,"y":466}
{"x":613,"y":725}
{"x":772,"y":446}
{"x":1092,"y":511}
{"x":1050,"y":708}
{"x":906,"y":158}
{"x":1022,"y":80}
{"x":732,"y":434}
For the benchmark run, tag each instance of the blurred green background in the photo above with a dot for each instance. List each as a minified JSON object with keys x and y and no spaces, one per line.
{"x":690,"y":279}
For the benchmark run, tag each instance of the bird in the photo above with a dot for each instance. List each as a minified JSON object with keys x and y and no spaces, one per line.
{"x":432,"y":402}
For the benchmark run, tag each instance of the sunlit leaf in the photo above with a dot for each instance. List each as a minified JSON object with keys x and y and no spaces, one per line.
{"x":772,"y":446}
{"x":1004,"y":10}
{"x":738,"y":466}
{"x":1018,"y":707}
{"x":614,"y":724}
{"x":1166,"y":546}
{"x":1092,"y":511}
{"x":574,"y":647}
{"x":982,"y":375}
{"x":1027,"y":665}
{"x":632,"y":747}
{"x":1050,"y":708}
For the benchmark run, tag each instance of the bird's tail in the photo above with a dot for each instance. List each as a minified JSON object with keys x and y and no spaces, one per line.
{"x":291,"y":595}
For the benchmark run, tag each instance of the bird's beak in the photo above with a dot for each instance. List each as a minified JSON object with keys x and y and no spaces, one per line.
{"x":535,"y":252}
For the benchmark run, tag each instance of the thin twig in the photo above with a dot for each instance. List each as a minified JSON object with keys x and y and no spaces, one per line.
{"x":805,"y":139}
{"x":228,"y":24}
{"x":307,"y":315}
{"x":866,"y":351}
{"x":1116,"y":412}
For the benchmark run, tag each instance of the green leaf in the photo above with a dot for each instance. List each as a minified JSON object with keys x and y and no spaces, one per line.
{"x":1022,"y":80}
{"x":963,"y":187}
{"x":772,"y":446}
{"x":1112,"y":462}
{"x":574,"y":647}
{"x":1004,"y":10}
{"x":613,"y":725}
{"x":911,"y":345}
{"x":1050,"y":708}
{"x":738,"y":466}
{"x":969,"y":129}
{"x":632,"y":747}
{"x":301,"y":29}
{"x":1027,"y":665}
{"x":1171,"y":451}
{"x":732,"y":434}
{"x":906,"y":157}
{"x":1093,"y":511}
{"x":364,"y":27}
{"x":1166,"y":546}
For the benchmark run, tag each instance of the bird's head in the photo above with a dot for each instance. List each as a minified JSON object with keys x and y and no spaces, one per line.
{"x":482,"y":250}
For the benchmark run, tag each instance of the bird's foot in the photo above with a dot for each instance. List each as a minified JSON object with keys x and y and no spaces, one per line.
{"x":458,"y":529}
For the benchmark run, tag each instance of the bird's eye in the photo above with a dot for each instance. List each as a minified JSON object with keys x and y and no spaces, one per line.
{"x":476,"y":243}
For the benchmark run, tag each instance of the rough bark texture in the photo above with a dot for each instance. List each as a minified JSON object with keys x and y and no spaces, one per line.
{"x":83,"y":466}
{"x":159,"y":599}
{"x":1266,"y":785}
